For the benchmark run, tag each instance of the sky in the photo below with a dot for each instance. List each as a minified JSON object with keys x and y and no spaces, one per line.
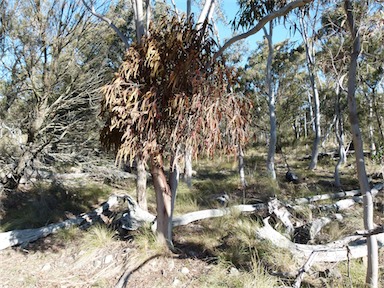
{"x":230,"y":8}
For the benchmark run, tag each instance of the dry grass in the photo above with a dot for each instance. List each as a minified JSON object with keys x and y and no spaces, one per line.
{"x":219,"y":252}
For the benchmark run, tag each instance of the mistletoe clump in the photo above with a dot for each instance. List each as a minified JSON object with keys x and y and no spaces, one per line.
{"x":171,"y":91}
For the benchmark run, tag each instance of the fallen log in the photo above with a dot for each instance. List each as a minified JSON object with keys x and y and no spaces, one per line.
{"x":132,"y":219}
{"x":337,"y":195}
{"x":367,"y":233}
{"x":211,"y":213}
{"x":350,"y":247}
{"x":25,"y":236}
{"x":282,"y":213}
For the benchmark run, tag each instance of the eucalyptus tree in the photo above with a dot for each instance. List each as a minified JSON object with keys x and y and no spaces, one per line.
{"x":167,"y":92}
{"x":289,"y":78}
{"x":122,"y":129}
{"x":333,"y":61}
{"x":372,"y":73}
{"x":249,"y":13}
{"x":307,"y":28}
{"x":52,"y":68}
{"x":372,"y":269}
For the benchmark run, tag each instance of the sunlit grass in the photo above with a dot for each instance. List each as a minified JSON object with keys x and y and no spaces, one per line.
{"x":224,"y":274}
{"x":98,"y":236}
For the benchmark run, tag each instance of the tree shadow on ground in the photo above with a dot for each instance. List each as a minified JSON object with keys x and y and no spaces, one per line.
{"x":47,"y":203}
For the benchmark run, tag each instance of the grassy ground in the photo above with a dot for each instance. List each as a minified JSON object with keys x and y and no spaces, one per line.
{"x":220,"y":252}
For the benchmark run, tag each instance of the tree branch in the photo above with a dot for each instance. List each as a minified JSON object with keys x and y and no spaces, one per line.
{"x":281,"y":12}
{"x":109,"y":21}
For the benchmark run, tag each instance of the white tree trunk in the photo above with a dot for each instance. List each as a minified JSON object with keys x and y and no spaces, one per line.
{"x":139,"y":19}
{"x":372,"y":269}
{"x":188,"y":166}
{"x":339,"y":131}
{"x":241,"y":168}
{"x":208,"y":8}
{"x":372,"y":145}
{"x":271,"y":104}
{"x":310,"y":57}
{"x":141,"y":184}
{"x":189,"y":8}
{"x":147,"y":15}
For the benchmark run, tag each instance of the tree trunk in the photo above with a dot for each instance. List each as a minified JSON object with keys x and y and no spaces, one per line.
{"x":189,"y":8}
{"x":378,"y":116}
{"x":173,"y":182}
{"x":204,"y":15}
{"x":271,"y":104}
{"x":163,"y":199}
{"x":147,"y":15}
{"x":339,"y":131}
{"x":188,"y":166}
{"x":372,"y":269}
{"x":309,"y":51}
{"x":141,"y":184}
{"x":243,"y":182}
{"x":372,"y":145}
{"x":139,"y":19}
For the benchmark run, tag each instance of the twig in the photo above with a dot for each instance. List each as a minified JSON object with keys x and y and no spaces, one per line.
{"x":307,"y":265}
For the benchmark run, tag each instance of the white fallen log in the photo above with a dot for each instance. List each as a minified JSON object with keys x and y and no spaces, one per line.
{"x":350,"y":247}
{"x":25,"y":236}
{"x":342,"y":204}
{"x":282,"y":213}
{"x":337,"y":195}
{"x":211,"y":213}
{"x":375,"y":231}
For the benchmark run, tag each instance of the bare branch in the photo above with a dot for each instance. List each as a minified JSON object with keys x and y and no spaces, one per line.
{"x":109,"y":21}
{"x":281,"y":12}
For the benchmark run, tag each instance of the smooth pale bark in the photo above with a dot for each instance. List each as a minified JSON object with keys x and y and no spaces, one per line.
{"x":189,"y":8}
{"x":271,"y":105}
{"x":109,"y":21}
{"x":372,"y":269}
{"x":372,"y":145}
{"x":340,"y":250}
{"x":378,"y":116}
{"x":339,"y":131}
{"x":243,"y":182}
{"x":147,"y":15}
{"x":305,"y":126}
{"x":141,"y":184}
{"x":163,"y":199}
{"x":310,"y":57}
{"x":139,"y":19}
{"x":188,"y":166}
{"x":208,"y":8}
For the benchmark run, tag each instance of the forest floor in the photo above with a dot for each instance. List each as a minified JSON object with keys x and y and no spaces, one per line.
{"x":220,"y":252}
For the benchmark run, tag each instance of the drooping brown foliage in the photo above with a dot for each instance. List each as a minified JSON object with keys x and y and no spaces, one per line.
{"x":169,"y":91}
